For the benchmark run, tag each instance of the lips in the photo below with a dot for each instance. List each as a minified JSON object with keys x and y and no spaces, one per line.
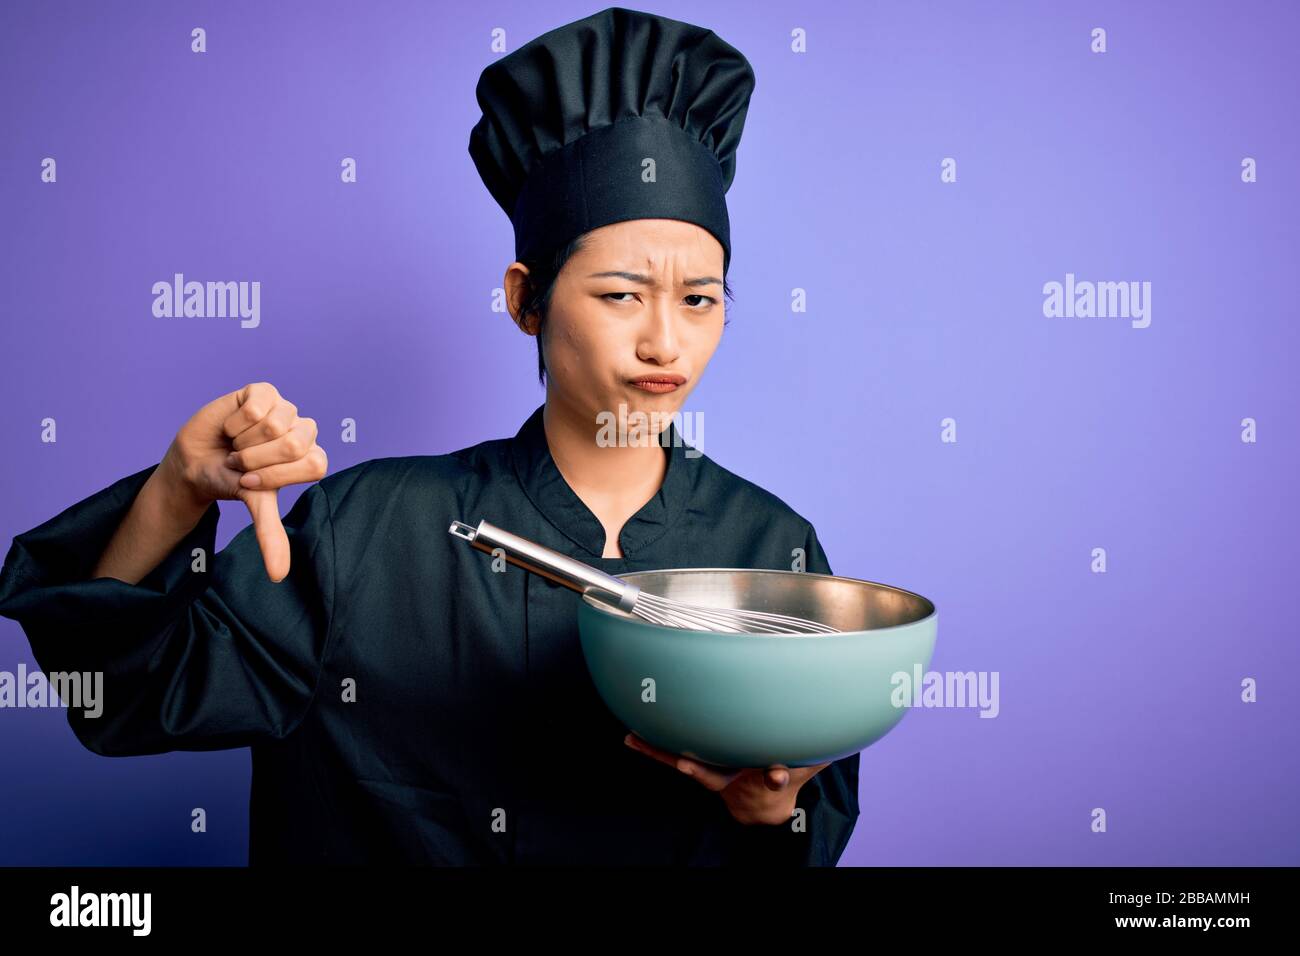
{"x":659,"y":383}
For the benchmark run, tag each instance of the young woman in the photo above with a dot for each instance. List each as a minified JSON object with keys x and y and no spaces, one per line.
{"x":403,"y":700}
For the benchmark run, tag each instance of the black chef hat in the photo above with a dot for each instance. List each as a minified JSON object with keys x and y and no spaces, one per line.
{"x":570,"y":117}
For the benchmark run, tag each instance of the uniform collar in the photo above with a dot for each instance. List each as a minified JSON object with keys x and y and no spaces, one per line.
{"x":542,"y":482}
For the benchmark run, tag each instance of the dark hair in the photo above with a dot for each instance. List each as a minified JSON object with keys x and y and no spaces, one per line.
{"x":542,"y":274}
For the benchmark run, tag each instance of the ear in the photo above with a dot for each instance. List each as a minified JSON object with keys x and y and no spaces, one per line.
{"x":518,"y":291}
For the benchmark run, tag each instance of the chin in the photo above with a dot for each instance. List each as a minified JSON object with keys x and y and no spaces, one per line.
{"x":622,"y":410}
{"x":662,"y":403}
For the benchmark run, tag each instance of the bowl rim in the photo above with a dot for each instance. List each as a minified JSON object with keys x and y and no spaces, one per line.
{"x":627,"y":576}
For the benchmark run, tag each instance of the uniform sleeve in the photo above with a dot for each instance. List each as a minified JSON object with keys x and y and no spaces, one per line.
{"x":204,"y":653}
{"x":829,"y":800}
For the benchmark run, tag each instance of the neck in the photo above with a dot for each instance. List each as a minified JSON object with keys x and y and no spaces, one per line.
{"x":611,"y":480}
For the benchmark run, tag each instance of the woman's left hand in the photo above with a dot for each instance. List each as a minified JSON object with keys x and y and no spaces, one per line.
{"x":752,"y":795}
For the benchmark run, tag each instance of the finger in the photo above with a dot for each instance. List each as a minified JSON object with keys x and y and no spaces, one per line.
{"x":715,"y":778}
{"x":271,"y":536}
{"x":290,"y":446}
{"x":255,"y":402}
{"x":711,"y":777}
{"x":663,"y":756}
{"x":278,"y":421}
{"x":311,"y":467}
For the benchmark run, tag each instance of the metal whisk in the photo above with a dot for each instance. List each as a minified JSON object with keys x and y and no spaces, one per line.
{"x":625,"y":596}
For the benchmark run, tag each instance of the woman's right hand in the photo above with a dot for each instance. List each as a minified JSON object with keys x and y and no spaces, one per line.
{"x":246,"y":445}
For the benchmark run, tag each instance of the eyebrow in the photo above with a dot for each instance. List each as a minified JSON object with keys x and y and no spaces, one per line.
{"x":646,"y":280}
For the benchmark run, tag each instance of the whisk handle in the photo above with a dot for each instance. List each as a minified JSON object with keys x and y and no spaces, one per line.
{"x":542,"y":560}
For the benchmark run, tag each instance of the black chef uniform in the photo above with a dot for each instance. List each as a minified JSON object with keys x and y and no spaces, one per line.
{"x":403,"y":701}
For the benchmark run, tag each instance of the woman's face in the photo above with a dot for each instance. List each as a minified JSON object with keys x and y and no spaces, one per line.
{"x":640,"y":298}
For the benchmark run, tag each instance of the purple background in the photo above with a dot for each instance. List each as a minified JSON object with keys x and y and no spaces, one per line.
{"x":1118,"y":690}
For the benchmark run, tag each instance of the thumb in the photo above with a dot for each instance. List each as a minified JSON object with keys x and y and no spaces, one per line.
{"x":776,"y":777}
{"x":271,"y":537}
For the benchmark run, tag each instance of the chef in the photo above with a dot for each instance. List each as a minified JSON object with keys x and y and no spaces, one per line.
{"x":405,"y":700}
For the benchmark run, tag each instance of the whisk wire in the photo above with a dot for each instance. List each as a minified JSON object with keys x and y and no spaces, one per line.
{"x":672,"y":613}
{"x":613,"y":592}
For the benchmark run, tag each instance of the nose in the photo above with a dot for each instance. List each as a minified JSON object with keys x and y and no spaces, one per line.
{"x":659,"y":342}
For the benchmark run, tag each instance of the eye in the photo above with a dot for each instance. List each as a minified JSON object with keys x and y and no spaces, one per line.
{"x":707,"y":298}
{"x":608,"y":294}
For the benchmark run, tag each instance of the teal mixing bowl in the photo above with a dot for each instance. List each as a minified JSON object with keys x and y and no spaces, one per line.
{"x":754,"y":700}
